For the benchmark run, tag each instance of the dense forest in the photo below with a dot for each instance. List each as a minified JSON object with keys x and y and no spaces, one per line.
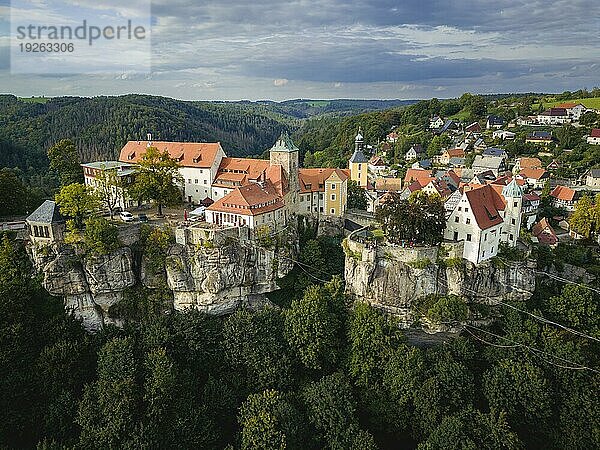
{"x":318,"y":372}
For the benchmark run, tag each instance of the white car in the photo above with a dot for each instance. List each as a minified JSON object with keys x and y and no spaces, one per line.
{"x":126,"y":216}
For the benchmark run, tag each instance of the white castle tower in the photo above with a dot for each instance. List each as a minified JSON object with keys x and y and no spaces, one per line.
{"x":513,"y":195}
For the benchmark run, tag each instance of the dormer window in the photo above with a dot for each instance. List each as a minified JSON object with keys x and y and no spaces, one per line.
{"x":180,"y":157}
{"x":197,"y":158}
{"x":131,"y":156}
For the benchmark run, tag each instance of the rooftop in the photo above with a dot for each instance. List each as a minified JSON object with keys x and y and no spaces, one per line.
{"x":48,"y":212}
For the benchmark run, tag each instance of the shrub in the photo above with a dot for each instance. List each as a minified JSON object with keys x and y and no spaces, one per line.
{"x":100,"y":236}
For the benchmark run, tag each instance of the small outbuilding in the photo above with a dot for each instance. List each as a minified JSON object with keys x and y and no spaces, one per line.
{"x":46,"y":224}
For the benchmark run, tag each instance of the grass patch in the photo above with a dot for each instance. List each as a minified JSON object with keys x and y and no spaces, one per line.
{"x":593,"y":102}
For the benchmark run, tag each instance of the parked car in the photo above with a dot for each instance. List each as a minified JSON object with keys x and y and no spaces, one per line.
{"x":126,"y":216}
{"x":142,"y":218}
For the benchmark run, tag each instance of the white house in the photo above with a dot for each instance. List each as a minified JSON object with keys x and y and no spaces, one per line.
{"x":554,"y":116}
{"x":594,"y":137}
{"x":124,"y":172}
{"x":414,"y":152}
{"x":436,"y":122}
{"x":574,"y":110}
{"x":199,"y":163}
{"x":483,"y":218}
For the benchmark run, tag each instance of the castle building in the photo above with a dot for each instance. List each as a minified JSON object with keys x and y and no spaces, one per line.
{"x":93,"y":174}
{"x":484,"y":217}
{"x":323,"y":191}
{"x":358,"y":164}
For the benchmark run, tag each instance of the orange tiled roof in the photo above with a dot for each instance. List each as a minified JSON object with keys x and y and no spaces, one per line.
{"x":189,"y":154}
{"x":485,"y":204}
{"x":455,"y":153}
{"x":563,"y":193}
{"x":250,"y":200}
{"x":420,"y":175}
{"x":536,"y":174}
{"x":313,"y":180}
{"x":530,"y":163}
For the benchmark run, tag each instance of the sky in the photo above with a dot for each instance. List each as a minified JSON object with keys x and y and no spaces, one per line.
{"x":277,"y":49}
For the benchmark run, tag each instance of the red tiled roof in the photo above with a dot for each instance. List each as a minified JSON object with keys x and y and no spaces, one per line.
{"x":250,"y":200}
{"x":567,"y":105}
{"x":485,"y":202}
{"x":532,"y":197}
{"x":189,"y":154}
{"x":563,"y":193}
{"x":595,"y":132}
{"x":389,"y":184}
{"x":530,"y":163}
{"x":536,"y":174}
{"x":544,"y":232}
{"x":313,"y":180}
{"x":421,"y":175}
{"x":455,"y":153}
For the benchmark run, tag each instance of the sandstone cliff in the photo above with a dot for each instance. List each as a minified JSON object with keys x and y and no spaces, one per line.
{"x":395,"y":278}
{"x":214,"y":271}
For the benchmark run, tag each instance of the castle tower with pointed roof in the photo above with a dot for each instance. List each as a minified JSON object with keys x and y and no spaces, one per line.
{"x":513,"y":196}
{"x":285,"y":154}
{"x":358,"y":163}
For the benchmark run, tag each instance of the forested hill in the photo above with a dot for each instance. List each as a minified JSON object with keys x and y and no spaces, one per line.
{"x":100,"y":126}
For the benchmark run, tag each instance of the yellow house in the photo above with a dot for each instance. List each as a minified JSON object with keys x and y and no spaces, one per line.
{"x":336,"y":193}
{"x":323,"y":191}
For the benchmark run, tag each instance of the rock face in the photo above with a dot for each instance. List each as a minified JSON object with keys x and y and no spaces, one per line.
{"x":394,"y":278}
{"x":221,"y":279}
{"x":215,"y":272}
{"x":90,"y":285}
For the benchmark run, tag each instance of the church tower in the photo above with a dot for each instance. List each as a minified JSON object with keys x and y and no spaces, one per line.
{"x":513,"y":195}
{"x":358,"y":163}
{"x":285,"y":153}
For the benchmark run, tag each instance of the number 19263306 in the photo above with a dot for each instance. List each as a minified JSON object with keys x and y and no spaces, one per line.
{"x":47,"y":47}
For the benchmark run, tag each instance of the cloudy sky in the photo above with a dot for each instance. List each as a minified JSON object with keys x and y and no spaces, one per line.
{"x":274,"y":49}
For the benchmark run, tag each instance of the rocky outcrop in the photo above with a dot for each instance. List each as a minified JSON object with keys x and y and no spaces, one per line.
{"x":221,"y":279}
{"x":90,"y":285}
{"x":394,"y":278}
{"x":214,"y":270}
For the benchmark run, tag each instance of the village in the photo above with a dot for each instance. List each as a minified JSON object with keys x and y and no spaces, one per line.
{"x":490,"y":199}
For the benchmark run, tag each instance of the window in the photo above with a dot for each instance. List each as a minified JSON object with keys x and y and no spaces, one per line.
{"x":457,"y":219}
{"x":205,"y":181}
{"x":466,"y":209}
{"x":515,"y":204}
{"x":469,"y":237}
{"x":196,"y":181}
{"x":485,"y":237}
{"x":333,"y":185}
{"x":332,"y":197}
{"x":189,"y":181}
{"x":460,"y":208}
{"x":456,"y":235}
{"x":321,"y":209}
{"x":512,"y":237}
{"x":468,"y":221}
{"x":332,"y":211}
{"x":513,"y":221}
{"x":483,"y":254}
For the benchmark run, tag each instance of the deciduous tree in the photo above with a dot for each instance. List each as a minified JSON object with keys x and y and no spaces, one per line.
{"x":64,"y":160}
{"x":77,"y":201}
{"x":157,"y":179}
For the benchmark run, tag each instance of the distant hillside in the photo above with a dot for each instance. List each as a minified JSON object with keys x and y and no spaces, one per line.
{"x":100,"y":126}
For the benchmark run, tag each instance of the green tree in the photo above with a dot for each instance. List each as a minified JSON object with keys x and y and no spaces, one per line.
{"x":472,"y":429}
{"x":156,"y":179}
{"x":267,"y":422}
{"x":589,"y":119}
{"x":256,"y":348}
{"x":332,"y":411}
{"x":437,"y":144}
{"x":584,"y":219}
{"x":109,"y":410}
{"x":357,"y":197}
{"x":13,"y":194}
{"x":309,"y":160}
{"x":110,"y":189}
{"x":64,"y":160}
{"x":100,"y":236}
{"x":77,"y":201}
{"x":314,"y":325}
{"x":419,"y":219}
{"x":521,"y":390}
{"x":577,"y":307}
